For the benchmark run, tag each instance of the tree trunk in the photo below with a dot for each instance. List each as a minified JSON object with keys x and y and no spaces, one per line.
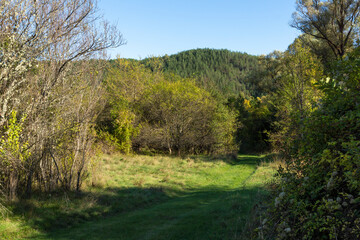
{"x":13,"y":181}
{"x":78,"y":181}
{"x":29,"y":184}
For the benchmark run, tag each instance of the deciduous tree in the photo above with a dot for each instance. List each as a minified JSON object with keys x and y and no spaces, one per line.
{"x":335,"y":22}
{"x":46,"y":75}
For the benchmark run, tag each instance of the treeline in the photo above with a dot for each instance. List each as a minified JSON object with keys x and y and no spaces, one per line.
{"x":151,"y":111}
{"x":223,"y":71}
{"x":238,"y":82}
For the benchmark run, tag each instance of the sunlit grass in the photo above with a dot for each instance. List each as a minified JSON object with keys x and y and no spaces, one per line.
{"x":148,"y":197}
{"x":14,"y":228}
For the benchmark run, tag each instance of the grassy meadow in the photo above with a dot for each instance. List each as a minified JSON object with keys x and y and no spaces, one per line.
{"x":149,"y":197}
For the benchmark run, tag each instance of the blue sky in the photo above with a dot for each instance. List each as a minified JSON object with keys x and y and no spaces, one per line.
{"x":159,"y":27}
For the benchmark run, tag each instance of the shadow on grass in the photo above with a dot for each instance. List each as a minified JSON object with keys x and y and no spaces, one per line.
{"x":144,"y":213}
{"x":150,"y":214}
{"x":47,"y":212}
{"x":253,"y":159}
{"x":238,"y":160}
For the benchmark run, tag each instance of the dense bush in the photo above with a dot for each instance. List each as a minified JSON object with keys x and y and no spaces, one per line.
{"x":254,"y":118}
{"x":149,"y":110}
{"x":181,"y":117}
{"x":319,"y":196}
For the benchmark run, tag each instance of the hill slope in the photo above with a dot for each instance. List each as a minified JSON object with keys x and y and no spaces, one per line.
{"x":221,"y":70}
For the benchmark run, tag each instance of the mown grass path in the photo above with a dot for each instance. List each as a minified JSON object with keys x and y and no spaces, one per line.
{"x":183,"y":199}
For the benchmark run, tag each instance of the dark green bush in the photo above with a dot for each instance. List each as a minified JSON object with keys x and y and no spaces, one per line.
{"x":319,"y":197}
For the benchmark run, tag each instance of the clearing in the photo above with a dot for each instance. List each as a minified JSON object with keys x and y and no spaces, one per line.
{"x":149,"y":197}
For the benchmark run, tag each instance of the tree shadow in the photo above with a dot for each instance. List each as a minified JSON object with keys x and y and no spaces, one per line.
{"x":59,"y":214}
{"x":149,"y":213}
{"x":238,"y":160}
{"x":46,"y":212}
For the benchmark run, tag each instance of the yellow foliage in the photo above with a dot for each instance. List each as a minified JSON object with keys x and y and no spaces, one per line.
{"x":247,"y":104}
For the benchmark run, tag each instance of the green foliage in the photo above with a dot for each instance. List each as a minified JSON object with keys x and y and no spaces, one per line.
{"x":254,"y":118}
{"x":124,"y":129}
{"x":14,"y":153}
{"x":11,"y":146}
{"x":149,"y":110}
{"x":319,"y":196}
{"x":263,"y":80}
{"x":179,"y":116}
{"x":296,"y":96}
{"x":125,"y":83}
{"x":223,"y":129}
{"x":215,"y":70}
{"x":222,"y":73}
{"x":322,"y":51}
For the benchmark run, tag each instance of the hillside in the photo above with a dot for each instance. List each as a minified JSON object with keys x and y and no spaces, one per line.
{"x":221,"y":70}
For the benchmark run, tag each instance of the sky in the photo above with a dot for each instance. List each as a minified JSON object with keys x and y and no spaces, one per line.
{"x":159,"y":27}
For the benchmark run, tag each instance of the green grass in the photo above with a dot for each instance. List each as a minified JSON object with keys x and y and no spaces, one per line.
{"x":148,"y":197}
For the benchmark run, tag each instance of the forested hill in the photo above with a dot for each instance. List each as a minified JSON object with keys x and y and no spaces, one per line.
{"x":223,"y":70}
